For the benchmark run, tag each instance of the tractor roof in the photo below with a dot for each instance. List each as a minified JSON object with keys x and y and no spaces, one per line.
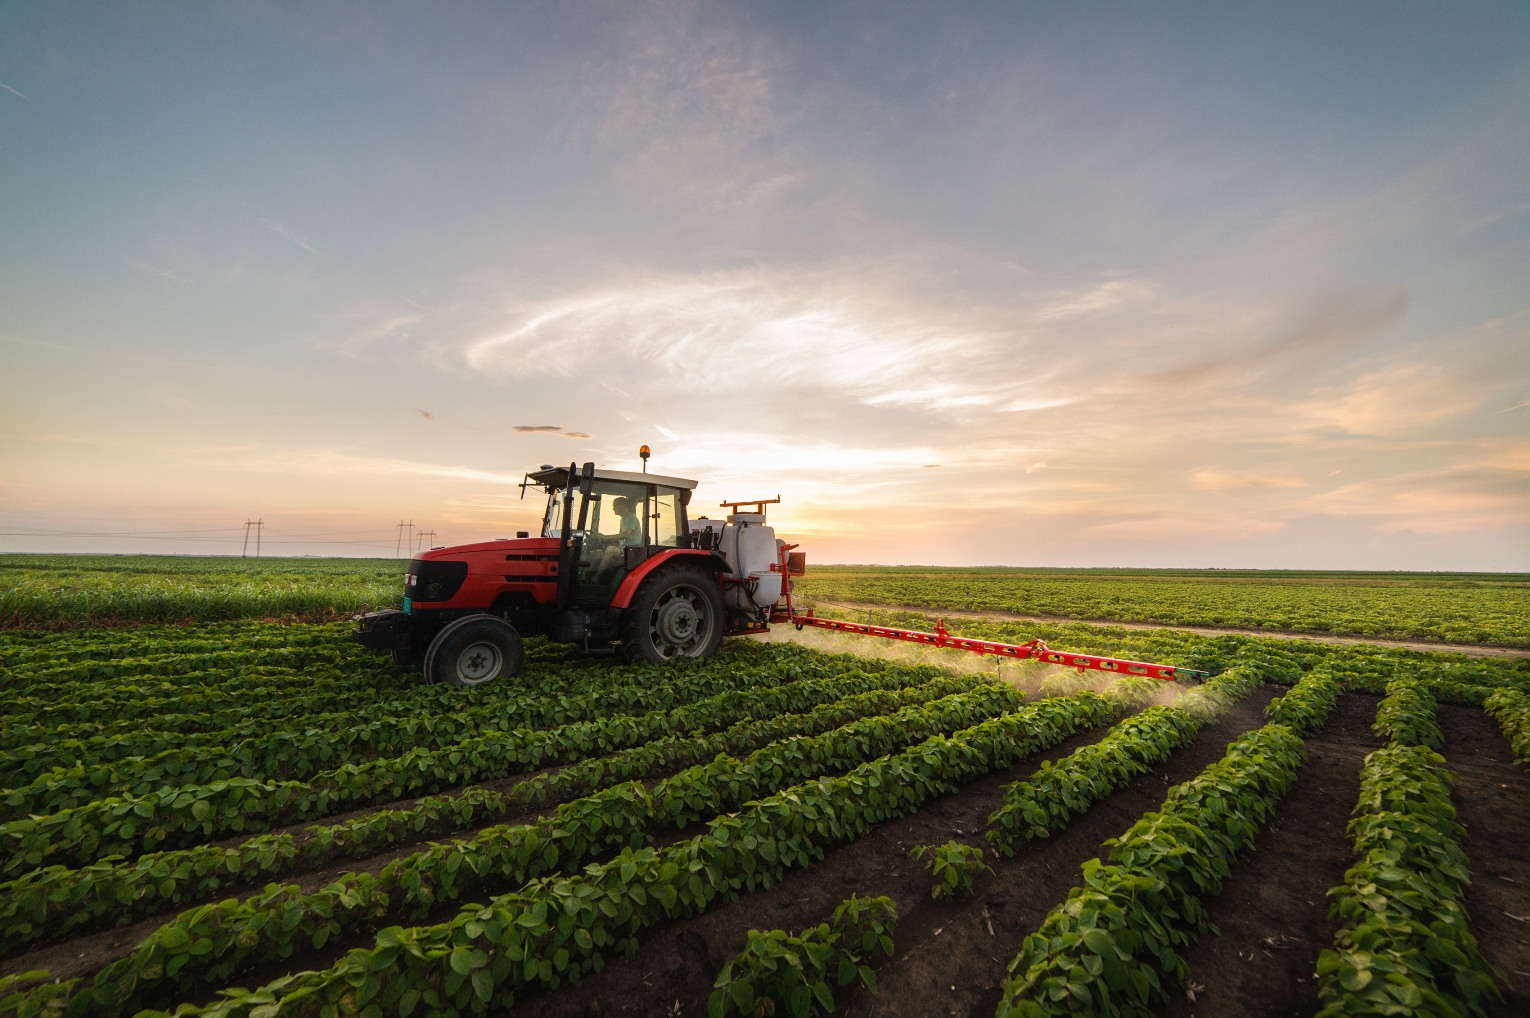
{"x":557,"y":477}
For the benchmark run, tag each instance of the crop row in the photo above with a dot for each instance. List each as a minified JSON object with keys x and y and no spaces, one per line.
{"x":29,"y":650}
{"x":558,"y":928}
{"x":239,"y":935}
{"x":50,"y":681}
{"x":1306,"y":707}
{"x":234,"y":671}
{"x":227,"y":684}
{"x":792,"y":973}
{"x":547,"y":697}
{"x":189,"y":659}
{"x":306,"y":754}
{"x":103,"y":652}
{"x":1368,"y":670}
{"x":1098,"y":949}
{"x":91,"y":588}
{"x":1406,"y":716}
{"x":1404,"y":946}
{"x":1107,"y":948}
{"x":1511,"y":709}
{"x":269,"y":699}
{"x":57,"y":901}
{"x":684,"y":807}
{"x":1046,"y":801}
{"x":169,"y":817}
{"x":235,"y":687}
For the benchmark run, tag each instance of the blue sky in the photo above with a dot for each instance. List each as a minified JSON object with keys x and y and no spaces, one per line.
{"x":1022,"y":284}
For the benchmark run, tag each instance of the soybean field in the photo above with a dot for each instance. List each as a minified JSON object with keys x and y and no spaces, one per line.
{"x":253,"y":818}
{"x":1477,"y":608}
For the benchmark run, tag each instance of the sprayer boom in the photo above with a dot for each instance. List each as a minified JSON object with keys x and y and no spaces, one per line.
{"x":1036,"y":650}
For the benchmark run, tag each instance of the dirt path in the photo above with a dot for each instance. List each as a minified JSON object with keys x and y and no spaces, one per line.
{"x":1492,"y":797}
{"x":1273,"y":910}
{"x":1469,"y":649}
{"x":939,"y":945}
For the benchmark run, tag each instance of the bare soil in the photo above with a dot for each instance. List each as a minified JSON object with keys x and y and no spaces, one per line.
{"x":950,"y":958}
{"x":1273,"y":911}
{"x":1492,"y":797}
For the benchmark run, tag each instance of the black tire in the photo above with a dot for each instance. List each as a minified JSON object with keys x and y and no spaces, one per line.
{"x":676,"y":612}
{"x":474,"y":651}
{"x":409,"y":659}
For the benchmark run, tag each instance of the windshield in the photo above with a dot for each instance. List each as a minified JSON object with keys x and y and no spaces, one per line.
{"x":619,"y":514}
{"x":552,"y":520}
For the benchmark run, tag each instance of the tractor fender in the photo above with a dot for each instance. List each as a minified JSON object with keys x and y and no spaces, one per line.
{"x":710,"y":561}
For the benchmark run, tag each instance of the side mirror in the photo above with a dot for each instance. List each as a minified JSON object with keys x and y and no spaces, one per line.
{"x":587,"y":478}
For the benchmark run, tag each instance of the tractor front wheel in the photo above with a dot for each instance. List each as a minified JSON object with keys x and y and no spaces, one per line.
{"x":473,"y":651}
{"x":677,"y":612}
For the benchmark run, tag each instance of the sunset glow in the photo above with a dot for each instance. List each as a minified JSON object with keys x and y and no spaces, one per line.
{"x":997,"y":284}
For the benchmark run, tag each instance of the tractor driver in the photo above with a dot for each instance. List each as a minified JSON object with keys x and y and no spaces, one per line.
{"x":629,"y":535}
{"x":631,"y":532}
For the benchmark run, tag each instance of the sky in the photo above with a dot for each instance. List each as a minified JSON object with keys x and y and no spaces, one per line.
{"x":1026,"y":284}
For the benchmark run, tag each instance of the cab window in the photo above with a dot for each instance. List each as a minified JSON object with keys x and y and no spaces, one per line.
{"x":664,"y":518}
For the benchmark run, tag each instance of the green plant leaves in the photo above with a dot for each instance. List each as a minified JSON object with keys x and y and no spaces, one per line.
{"x":1403,"y":946}
{"x":1511,"y":709}
{"x":953,"y":865}
{"x":1103,"y":950}
{"x":1051,"y":797}
{"x":784,"y":974}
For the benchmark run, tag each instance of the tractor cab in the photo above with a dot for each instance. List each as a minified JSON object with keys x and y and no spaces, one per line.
{"x":607,"y":523}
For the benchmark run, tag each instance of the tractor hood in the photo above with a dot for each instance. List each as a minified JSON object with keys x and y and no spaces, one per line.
{"x":504,"y":545}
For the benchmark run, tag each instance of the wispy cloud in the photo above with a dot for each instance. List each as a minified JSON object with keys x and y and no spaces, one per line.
{"x":14,"y":92}
{"x":1331,"y":323}
{"x":731,"y":331}
{"x":552,"y":429}
{"x":1217,"y":480}
{"x":286,"y":234}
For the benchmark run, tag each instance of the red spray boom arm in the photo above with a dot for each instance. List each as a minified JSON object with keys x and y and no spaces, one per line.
{"x":1036,"y":650}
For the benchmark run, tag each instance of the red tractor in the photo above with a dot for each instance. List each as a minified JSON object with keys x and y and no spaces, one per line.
{"x":619,"y":567}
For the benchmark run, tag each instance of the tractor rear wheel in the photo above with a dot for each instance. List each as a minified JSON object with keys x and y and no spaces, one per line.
{"x":676,"y":612}
{"x":473,"y":651}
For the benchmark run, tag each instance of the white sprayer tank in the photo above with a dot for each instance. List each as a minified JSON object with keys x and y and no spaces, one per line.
{"x":752,"y":552}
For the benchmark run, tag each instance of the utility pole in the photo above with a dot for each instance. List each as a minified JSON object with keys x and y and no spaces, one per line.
{"x":258,"y":525}
{"x":427,"y":539}
{"x":400,"y":542}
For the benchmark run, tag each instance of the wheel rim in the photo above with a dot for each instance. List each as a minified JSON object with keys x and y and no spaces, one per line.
{"x":478,"y":662}
{"x":680,"y":624}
